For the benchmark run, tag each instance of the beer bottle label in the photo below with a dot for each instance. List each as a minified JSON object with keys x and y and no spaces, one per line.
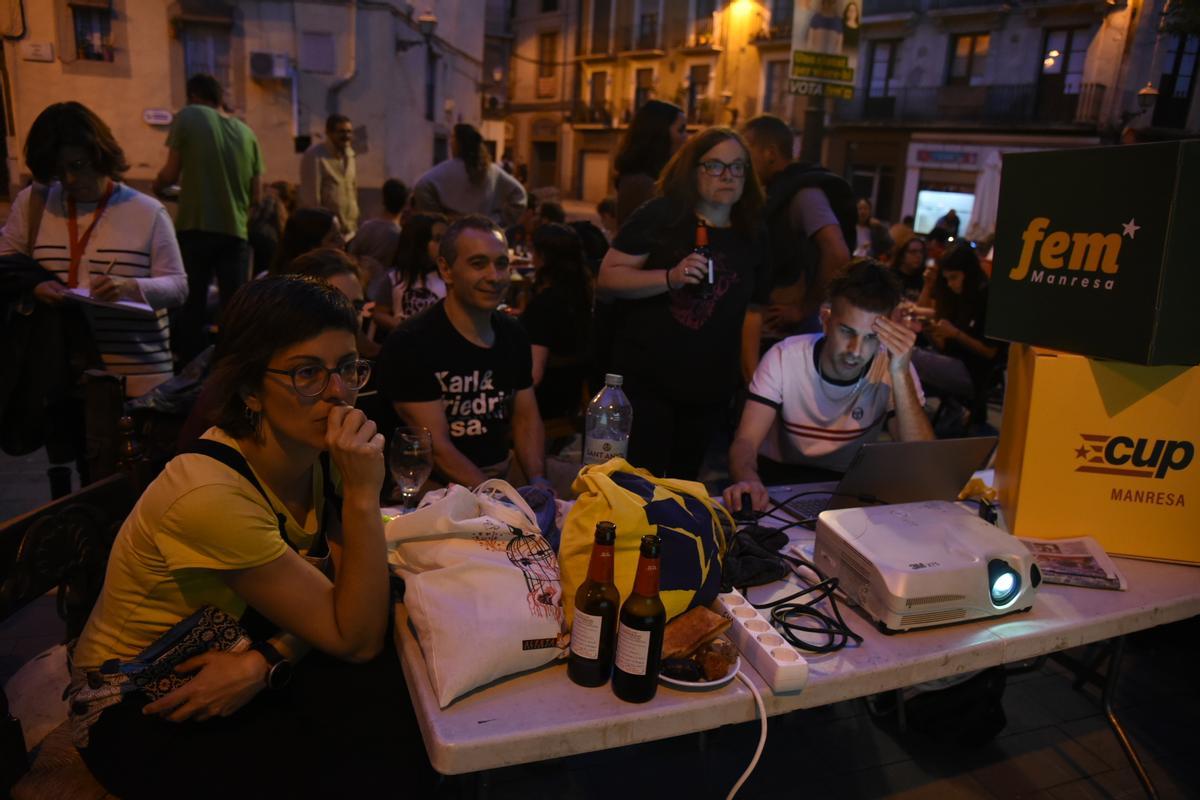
{"x":585,"y":635}
{"x":633,"y":650}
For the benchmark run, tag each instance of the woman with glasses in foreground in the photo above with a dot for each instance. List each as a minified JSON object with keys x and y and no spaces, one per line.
{"x":285,"y":375}
{"x":684,"y":325}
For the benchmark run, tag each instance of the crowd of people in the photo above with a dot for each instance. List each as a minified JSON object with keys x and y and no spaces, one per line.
{"x":732,"y":287}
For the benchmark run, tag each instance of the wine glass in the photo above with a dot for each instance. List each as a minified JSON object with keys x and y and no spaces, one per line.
{"x":411,"y":461}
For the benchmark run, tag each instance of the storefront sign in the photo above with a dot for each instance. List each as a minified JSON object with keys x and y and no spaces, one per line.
{"x":825,"y":49}
{"x":37,"y":51}
{"x":947,"y":158}
{"x":157,"y":116}
{"x":1095,"y":252}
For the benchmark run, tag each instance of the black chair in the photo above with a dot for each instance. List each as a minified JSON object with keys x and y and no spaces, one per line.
{"x":63,"y":545}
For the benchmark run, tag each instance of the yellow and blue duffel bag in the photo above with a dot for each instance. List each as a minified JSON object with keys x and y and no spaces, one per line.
{"x":694,"y":532}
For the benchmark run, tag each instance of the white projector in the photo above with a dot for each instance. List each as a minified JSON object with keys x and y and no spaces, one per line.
{"x":917,"y":565}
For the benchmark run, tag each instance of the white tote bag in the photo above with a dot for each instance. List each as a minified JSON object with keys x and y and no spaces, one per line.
{"x":482,"y":586}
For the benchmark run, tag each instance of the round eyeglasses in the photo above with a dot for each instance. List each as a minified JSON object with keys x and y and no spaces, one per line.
{"x":309,"y":380}
{"x":716,"y":169}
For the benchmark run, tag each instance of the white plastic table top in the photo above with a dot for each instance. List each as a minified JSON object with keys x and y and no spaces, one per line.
{"x":541,"y":714}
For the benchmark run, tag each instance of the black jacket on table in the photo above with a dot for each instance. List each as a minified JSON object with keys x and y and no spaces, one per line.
{"x":46,"y":350}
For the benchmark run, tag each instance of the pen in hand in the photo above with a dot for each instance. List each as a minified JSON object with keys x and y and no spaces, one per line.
{"x":106,"y":288}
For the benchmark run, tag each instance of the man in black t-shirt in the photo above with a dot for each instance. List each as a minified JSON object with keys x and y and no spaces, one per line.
{"x":463,"y":370}
{"x":810,"y":216}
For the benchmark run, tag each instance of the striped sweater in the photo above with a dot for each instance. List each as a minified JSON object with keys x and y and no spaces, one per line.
{"x":133,"y":239}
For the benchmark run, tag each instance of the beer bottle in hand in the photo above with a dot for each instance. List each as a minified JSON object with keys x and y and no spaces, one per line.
{"x":640,"y":631}
{"x":595,"y":625}
{"x":705,"y":287}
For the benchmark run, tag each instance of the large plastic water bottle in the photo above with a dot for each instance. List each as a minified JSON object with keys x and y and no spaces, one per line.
{"x":609,"y":418}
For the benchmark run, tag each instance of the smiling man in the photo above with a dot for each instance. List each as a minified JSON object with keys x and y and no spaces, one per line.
{"x":329,"y":175}
{"x":816,"y":398}
{"x":464,"y":370}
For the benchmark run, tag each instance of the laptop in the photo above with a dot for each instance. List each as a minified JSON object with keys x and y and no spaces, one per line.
{"x":897,"y":472}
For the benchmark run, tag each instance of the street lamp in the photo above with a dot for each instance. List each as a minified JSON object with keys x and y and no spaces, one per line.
{"x":426,"y":25}
{"x":1146,"y":97}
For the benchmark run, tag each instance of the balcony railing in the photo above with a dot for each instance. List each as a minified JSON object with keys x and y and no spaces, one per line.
{"x":1004,"y":103}
{"x":780,"y":32}
{"x":998,"y":103}
{"x":1091,"y":99}
{"x":592,"y":114}
{"x":702,"y":112}
{"x":874,"y":7}
{"x":642,"y":35}
{"x":698,"y":36}
{"x":952,"y":5}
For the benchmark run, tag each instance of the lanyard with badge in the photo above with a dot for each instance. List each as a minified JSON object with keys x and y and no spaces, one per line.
{"x":79,"y":244}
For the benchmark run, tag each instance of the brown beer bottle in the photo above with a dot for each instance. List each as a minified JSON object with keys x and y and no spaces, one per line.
{"x":640,"y":631}
{"x":596,"y":605}
{"x":705,"y":287}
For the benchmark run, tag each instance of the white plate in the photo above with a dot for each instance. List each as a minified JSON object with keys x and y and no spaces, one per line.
{"x":703,"y":685}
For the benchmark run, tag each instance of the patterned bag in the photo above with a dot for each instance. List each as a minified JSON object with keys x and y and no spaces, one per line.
{"x":151,"y":674}
{"x":694,"y":532}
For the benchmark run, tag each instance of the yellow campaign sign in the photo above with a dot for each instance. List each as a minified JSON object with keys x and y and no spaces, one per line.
{"x":825,"y":40}
{"x":818,"y":88}
{"x":1102,"y":449}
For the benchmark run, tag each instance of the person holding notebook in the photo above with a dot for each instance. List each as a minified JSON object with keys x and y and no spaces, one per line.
{"x":816,"y":398}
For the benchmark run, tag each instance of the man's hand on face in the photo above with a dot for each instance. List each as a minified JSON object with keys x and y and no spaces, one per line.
{"x":897,"y":340}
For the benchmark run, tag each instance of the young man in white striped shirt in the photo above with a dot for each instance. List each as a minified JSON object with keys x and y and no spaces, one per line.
{"x":816,"y":398}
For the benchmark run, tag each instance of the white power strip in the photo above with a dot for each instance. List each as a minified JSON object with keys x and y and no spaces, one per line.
{"x":780,"y":664}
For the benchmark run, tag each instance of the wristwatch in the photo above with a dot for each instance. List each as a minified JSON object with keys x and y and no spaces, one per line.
{"x":279,"y":669}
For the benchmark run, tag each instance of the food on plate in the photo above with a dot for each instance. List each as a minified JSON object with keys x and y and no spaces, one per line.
{"x":712,"y":662}
{"x":692,"y":629}
{"x":716,"y":659}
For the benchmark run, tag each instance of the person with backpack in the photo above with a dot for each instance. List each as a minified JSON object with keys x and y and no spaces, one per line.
{"x":810,"y":217}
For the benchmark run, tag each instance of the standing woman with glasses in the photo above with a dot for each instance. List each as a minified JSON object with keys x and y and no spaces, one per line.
{"x":95,"y":235}
{"x":680,"y":338}
{"x":235,"y":524}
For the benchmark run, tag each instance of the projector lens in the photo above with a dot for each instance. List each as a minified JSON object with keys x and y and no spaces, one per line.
{"x":1005,"y":583}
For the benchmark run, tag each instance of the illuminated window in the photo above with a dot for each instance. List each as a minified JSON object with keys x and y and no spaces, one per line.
{"x":547,"y":54}
{"x":968,"y":59}
{"x":601,"y":24}
{"x":643,"y":88}
{"x":1064,"y":54}
{"x":881,"y":80}
{"x":776,"y":86}
{"x":206,"y":50}
{"x":93,"y":33}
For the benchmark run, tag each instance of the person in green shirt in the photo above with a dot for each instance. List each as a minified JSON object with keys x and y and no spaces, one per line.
{"x":216,"y":160}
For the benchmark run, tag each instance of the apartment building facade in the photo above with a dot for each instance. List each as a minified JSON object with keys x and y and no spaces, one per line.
{"x":582,"y":67}
{"x":404,"y":78}
{"x":946,"y":87}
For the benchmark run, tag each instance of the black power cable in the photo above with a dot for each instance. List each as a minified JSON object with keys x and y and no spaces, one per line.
{"x":785,"y":612}
{"x":792,"y":615}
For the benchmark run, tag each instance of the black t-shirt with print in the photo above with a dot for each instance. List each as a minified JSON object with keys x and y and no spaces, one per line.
{"x":555,"y":320}
{"x":686,"y":344}
{"x":426,"y":358}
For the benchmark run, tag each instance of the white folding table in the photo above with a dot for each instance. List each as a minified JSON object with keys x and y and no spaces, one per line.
{"x":541,"y":714}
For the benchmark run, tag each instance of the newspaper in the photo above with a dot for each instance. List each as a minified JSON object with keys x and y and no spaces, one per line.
{"x":1076,"y":562}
